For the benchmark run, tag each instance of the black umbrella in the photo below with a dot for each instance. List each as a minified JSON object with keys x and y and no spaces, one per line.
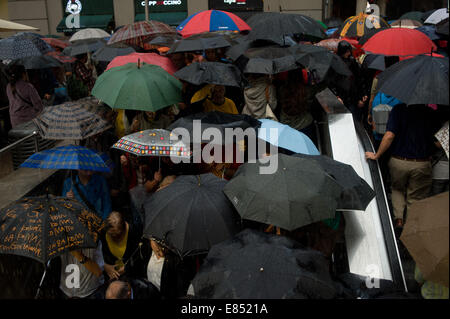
{"x":38,"y":62}
{"x":42,"y":228}
{"x":299,"y":193}
{"x":442,"y":27}
{"x":368,"y":34}
{"x":165,"y":40}
{"x":109,"y":52}
{"x":191,"y":214}
{"x":218,"y":120}
{"x":84,"y":46}
{"x":274,"y":26}
{"x":420,"y":80}
{"x":357,"y":194}
{"x":375,"y":62}
{"x":270,"y":60}
{"x":201,"y":42}
{"x":23,"y":45}
{"x":211,"y":73}
{"x":416,"y":15}
{"x":333,"y":22}
{"x":255,"y":265}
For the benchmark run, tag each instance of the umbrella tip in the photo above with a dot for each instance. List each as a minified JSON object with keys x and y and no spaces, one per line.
{"x":261,"y":269}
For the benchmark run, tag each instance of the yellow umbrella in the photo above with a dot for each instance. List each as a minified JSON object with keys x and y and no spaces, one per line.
{"x":6,"y":26}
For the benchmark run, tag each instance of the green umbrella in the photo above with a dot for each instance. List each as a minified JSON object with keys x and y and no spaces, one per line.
{"x":322,"y":24}
{"x":132,"y":87}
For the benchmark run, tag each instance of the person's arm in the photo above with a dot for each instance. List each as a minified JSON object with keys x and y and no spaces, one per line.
{"x":90,"y":264}
{"x":150,"y":186}
{"x":388,"y":138}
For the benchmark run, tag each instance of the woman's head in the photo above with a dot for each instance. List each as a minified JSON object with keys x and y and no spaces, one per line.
{"x":16,"y":73}
{"x":116,"y":225}
{"x":344,"y":49}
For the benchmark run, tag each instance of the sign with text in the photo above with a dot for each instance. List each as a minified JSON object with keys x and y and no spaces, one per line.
{"x":161,"y":6}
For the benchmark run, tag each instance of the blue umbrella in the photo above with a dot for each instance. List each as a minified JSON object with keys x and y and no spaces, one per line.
{"x":331,"y":31}
{"x":286,"y":137}
{"x":70,"y":157}
{"x":23,"y":45}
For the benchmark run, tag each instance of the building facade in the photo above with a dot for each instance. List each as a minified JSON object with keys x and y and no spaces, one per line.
{"x":51,"y":16}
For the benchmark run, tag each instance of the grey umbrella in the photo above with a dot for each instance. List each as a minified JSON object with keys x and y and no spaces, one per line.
{"x":298,"y":193}
{"x":23,"y":45}
{"x":84,"y":46}
{"x":38,"y":62}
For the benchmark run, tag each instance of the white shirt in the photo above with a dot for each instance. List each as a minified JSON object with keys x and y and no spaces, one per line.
{"x":154,"y":270}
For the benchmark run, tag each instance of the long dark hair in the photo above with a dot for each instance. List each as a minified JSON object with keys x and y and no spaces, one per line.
{"x":15,"y":73}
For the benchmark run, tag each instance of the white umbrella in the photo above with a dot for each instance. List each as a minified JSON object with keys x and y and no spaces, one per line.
{"x":90,"y":33}
{"x":6,"y":26}
{"x":437,"y":16}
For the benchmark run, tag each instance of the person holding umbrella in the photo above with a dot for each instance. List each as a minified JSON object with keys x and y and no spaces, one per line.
{"x":90,"y":189}
{"x":24,"y":101}
{"x":219,"y":102}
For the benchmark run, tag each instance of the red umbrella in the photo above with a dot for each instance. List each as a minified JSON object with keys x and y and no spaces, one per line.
{"x":61,"y":58}
{"x":140,"y":32}
{"x":56,"y":43}
{"x":149,"y":58}
{"x":399,"y":42}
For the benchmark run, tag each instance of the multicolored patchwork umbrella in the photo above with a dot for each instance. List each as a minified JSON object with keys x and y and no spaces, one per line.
{"x":139,"y":33}
{"x":161,"y":143}
{"x":23,"y":45}
{"x":73,"y":157}
{"x":357,"y":26}
{"x":211,"y":21}
{"x":69,"y":121}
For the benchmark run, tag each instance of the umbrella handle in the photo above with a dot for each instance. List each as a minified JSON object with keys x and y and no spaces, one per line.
{"x":42,"y":280}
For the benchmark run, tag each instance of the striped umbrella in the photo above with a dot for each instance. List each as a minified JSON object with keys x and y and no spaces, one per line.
{"x":69,"y":157}
{"x":357,"y":26}
{"x":69,"y":121}
{"x":211,"y":21}
{"x":23,"y":45}
{"x":138,"y":33}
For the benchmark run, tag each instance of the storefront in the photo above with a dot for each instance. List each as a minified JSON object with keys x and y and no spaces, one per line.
{"x":242,"y":8}
{"x":92,"y":14}
{"x":171,"y":12}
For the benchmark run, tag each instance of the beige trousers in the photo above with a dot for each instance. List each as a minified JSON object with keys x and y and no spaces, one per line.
{"x":411,"y":181}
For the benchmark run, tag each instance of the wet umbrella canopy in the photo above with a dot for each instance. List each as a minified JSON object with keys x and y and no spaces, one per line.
{"x":357,"y":193}
{"x":191,"y":214}
{"x":70,"y":120}
{"x":84,"y":46}
{"x":420,"y":80}
{"x":201,"y":42}
{"x":211,"y":73}
{"x":255,"y":265}
{"x":109,"y":52}
{"x":23,"y":45}
{"x":39,"y":62}
{"x":43,"y":228}
{"x":287,"y":198}
{"x":132,"y":87}
{"x":273,"y":26}
{"x":159,"y":143}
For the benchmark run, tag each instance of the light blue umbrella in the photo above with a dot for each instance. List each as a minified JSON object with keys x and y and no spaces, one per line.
{"x":286,"y":137}
{"x":331,"y":31}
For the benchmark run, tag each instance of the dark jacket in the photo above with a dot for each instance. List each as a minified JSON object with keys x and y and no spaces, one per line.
{"x":176,"y":274}
{"x":133,"y":265}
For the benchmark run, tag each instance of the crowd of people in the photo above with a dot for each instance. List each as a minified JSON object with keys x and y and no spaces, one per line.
{"x":125,"y":265}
